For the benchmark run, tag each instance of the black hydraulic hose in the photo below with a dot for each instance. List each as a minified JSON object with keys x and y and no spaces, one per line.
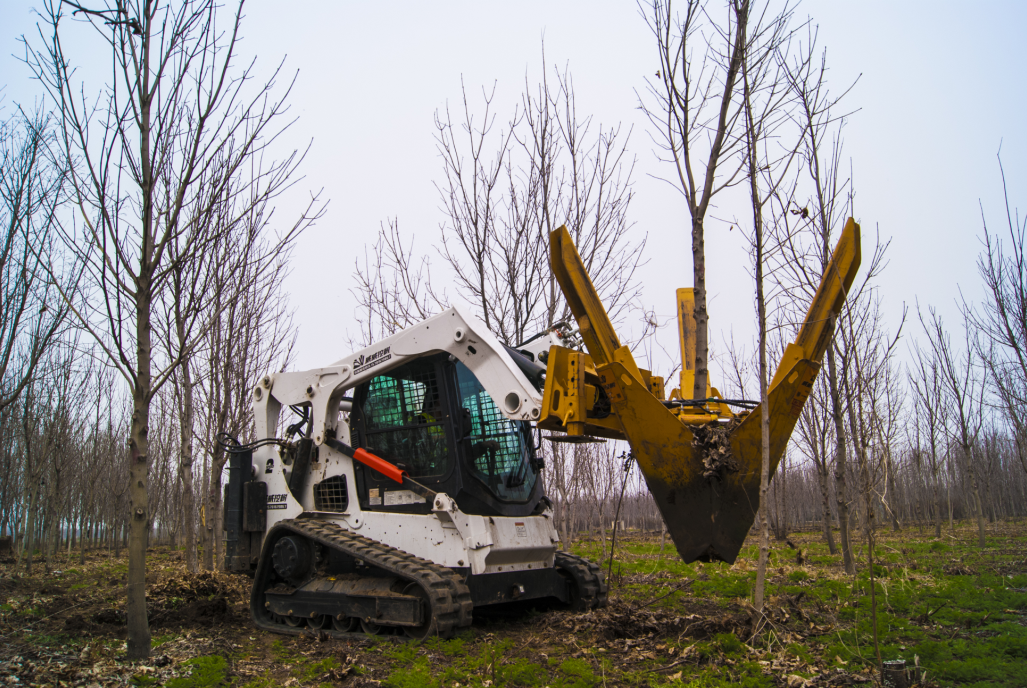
{"x":746,"y":404}
{"x":232,"y":446}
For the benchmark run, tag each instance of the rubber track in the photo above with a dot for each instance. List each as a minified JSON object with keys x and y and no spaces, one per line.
{"x":589,"y":578}
{"x":448,"y":595}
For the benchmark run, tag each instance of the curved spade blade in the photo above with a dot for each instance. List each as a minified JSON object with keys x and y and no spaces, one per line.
{"x":708,"y":518}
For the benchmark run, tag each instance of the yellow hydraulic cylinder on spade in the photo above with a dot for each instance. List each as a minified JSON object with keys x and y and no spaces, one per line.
{"x":709,"y":504}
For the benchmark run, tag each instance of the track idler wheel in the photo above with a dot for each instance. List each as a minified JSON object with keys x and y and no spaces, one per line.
{"x":421,"y":631}
{"x":371,"y":628}
{"x":320,"y":621}
{"x":291,"y":558}
{"x":345,"y":624}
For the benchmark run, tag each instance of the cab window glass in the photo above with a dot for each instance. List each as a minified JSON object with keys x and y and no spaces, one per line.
{"x":499,"y":449}
{"x":404,"y":420}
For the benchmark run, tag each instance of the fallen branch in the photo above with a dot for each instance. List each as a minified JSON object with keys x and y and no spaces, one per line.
{"x":675,"y":664}
{"x":679,"y":588}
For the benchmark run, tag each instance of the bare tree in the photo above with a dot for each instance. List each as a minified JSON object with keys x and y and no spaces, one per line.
{"x":1002,"y":318}
{"x":694,"y":113}
{"x":32,"y":188}
{"x":870,"y":394}
{"x":963,"y":382}
{"x":765,"y":106}
{"x":175,"y":124}
{"x":829,"y":203}
{"x":235,"y":217}
{"x":44,"y":423}
{"x":254,"y":334}
{"x":503,"y":192}
{"x":392,"y":291}
{"x":813,"y":437}
{"x":930,"y":418}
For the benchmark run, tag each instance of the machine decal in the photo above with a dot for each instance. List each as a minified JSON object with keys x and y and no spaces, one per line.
{"x":374,"y":497}
{"x":393,"y":497}
{"x":522,"y":530}
{"x":801,"y":394}
{"x":276,"y":501}
{"x":360,"y":364}
{"x":611,"y":386}
{"x":270,"y":466}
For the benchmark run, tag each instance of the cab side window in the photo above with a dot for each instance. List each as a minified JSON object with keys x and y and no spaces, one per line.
{"x":499,"y":448}
{"x":404,"y":420}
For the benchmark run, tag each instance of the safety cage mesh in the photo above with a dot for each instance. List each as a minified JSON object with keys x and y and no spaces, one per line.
{"x":499,"y":449}
{"x":330,"y":494}
{"x":403,"y":420}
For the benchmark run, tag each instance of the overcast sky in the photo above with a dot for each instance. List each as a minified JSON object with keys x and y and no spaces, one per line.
{"x":942,"y":85}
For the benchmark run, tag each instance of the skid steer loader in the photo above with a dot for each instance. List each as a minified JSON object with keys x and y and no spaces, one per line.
{"x":406,"y":492}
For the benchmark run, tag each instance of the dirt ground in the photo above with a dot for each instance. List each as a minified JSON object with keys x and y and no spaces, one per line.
{"x":66,"y":627}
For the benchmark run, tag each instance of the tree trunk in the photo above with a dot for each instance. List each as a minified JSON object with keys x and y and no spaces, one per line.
{"x":891,"y":491}
{"x":83,"y":525}
{"x":565,"y":522}
{"x":186,"y":440}
{"x":29,"y":541}
{"x":701,"y":314}
{"x":948,"y":493}
{"x":212,"y":552}
{"x":761,"y":569}
{"x":34,"y":476}
{"x":825,"y":496}
{"x":205,"y":539}
{"x":978,"y":505}
{"x":138,"y":479}
{"x":780,"y":488}
{"x":51,"y":535}
{"x":839,"y":464}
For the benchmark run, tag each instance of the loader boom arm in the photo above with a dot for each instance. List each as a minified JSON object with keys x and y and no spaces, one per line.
{"x":461,"y":335}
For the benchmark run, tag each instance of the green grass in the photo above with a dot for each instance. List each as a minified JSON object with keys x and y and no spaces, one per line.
{"x":264,"y":681}
{"x":490,"y":664}
{"x":161,"y":639}
{"x":313,"y":671}
{"x":966,"y":629}
{"x":209,"y":671}
{"x":282,"y":654}
{"x":749,"y":676}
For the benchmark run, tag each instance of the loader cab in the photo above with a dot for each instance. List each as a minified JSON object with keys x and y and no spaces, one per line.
{"x":434,"y":419}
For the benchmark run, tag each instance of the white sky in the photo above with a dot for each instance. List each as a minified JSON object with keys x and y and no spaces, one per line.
{"x":942,"y":84}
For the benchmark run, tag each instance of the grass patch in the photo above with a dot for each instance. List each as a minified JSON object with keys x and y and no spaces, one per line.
{"x":961,"y":609}
{"x":204,"y":672}
{"x":318,"y":669}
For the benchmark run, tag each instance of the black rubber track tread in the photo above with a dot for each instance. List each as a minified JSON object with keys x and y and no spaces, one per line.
{"x":448,"y":595}
{"x":589,"y":580}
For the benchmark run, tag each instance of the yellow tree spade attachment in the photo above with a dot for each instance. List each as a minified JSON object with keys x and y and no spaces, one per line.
{"x":708,"y":495}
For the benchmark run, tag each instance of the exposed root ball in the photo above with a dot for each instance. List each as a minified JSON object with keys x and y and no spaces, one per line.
{"x":711,"y":442}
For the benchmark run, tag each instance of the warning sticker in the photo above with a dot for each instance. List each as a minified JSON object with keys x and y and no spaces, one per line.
{"x":522,"y":530}
{"x":399,"y":497}
{"x":374,"y":497}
